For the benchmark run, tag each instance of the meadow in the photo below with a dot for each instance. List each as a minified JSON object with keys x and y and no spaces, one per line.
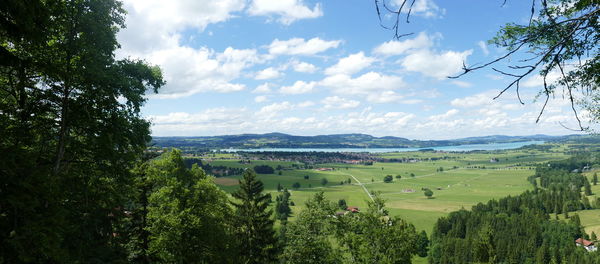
{"x":458,"y":180}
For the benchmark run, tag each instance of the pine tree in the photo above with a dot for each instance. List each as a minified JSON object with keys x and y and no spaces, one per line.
{"x":595,"y":179}
{"x":253,"y":221}
{"x":587,"y":187}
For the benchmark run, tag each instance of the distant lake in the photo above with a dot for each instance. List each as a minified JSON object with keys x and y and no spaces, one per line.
{"x":469,"y":147}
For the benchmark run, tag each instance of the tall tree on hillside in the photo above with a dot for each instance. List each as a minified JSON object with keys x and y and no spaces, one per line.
{"x":595,"y":179}
{"x":253,"y":220}
{"x":587,"y":187}
{"x":189,"y":219}
{"x":70,"y":119}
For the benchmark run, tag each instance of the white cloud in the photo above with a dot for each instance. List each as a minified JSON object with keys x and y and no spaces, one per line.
{"x":261,"y":99}
{"x":299,"y":87}
{"x":436,"y":65}
{"x":395,"y":47}
{"x":189,"y":71}
{"x":305,"y":104}
{"x":474,"y":100}
{"x":304,"y":67}
{"x":263,"y":88}
{"x":461,"y":84}
{"x":425,"y":8}
{"x":351,"y":64}
{"x":154,"y":24}
{"x":335,"y":102}
{"x":268,"y":73}
{"x":273,"y":110}
{"x":363,"y":85}
{"x":298,"y":46}
{"x":287,"y":10}
{"x":483,"y":47}
{"x":444,"y":116}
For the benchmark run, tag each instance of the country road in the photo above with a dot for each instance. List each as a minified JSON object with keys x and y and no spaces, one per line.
{"x":361,"y":185}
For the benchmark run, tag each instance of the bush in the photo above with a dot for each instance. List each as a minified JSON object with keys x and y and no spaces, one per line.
{"x":388,"y":179}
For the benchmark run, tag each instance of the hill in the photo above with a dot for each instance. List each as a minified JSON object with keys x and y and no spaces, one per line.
{"x":280,"y":140}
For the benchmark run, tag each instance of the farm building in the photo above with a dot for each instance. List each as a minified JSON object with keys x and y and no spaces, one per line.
{"x":588,"y":245}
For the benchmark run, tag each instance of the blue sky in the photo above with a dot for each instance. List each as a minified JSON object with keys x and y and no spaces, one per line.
{"x":326,"y":67}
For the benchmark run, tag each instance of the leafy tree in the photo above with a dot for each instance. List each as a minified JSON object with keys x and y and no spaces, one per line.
{"x":422,"y":244}
{"x":264,"y":169}
{"x":398,"y":176}
{"x":412,"y":175}
{"x":188,"y":215}
{"x":308,"y":237}
{"x":342,"y":204}
{"x":388,"y":179}
{"x":306,"y":177}
{"x":428,"y":193}
{"x":595,"y":178}
{"x":279,"y":187}
{"x":70,"y":119}
{"x":374,"y":237}
{"x":296,"y":185}
{"x":324,"y":181}
{"x":254,"y":226}
{"x":587,"y":188}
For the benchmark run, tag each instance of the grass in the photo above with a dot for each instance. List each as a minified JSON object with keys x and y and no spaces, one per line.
{"x":466,"y":179}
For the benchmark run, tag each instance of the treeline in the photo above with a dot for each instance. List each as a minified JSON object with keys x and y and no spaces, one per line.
{"x":520,"y":229}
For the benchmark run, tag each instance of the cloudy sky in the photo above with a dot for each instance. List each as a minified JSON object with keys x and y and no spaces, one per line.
{"x":311,"y":67}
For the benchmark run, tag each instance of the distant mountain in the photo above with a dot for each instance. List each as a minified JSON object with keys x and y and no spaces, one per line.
{"x":280,"y":140}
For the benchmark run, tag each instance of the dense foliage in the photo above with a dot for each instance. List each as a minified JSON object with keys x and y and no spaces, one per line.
{"x":519,"y":229}
{"x":70,"y":130}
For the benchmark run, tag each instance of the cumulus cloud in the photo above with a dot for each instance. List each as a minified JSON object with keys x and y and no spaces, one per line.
{"x":396,"y":47}
{"x":268,"y":73}
{"x":434,"y":64}
{"x":299,"y":87}
{"x":189,"y":71}
{"x":335,"y":102}
{"x":263,"y":88}
{"x":288,"y":11}
{"x":425,"y":8}
{"x":299,"y":46}
{"x":350,"y":64}
{"x":364,"y":84}
{"x":261,"y":99}
{"x":304,"y":67}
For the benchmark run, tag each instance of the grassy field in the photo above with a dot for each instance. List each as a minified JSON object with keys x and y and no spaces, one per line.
{"x":466,"y":179}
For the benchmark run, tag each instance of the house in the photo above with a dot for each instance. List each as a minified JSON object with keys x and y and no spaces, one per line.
{"x":588,"y":245}
{"x":493,"y":160}
{"x":352,"y":209}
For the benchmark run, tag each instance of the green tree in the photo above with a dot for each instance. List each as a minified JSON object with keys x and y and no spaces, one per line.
{"x":308,"y":239}
{"x":587,"y":187}
{"x":342,"y":204}
{"x":324,"y":181}
{"x":388,"y":179}
{"x":188,"y":215}
{"x":296,"y":185}
{"x":428,"y":193}
{"x":70,"y":119}
{"x":282,"y":206}
{"x":373,"y":237}
{"x":253,"y":222}
{"x":595,"y":179}
{"x":422,"y":244}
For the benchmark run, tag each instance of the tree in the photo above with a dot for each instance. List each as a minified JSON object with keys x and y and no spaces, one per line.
{"x":587,"y":188}
{"x":388,"y":179}
{"x":412,"y":175}
{"x":342,"y":204}
{"x":308,"y":238}
{"x":264,"y":169}
{"x":560,"y":39}
{"x":70,"y":119}
{"x":324,"y":181}
{"x":282,"y":206}
{"x":595,"y":179}
{"x":296,"y":185}
{"x":422,"y":244}
{"x":188,"y":215}
{"x":428,"y":193}
{"x":254,"y":226}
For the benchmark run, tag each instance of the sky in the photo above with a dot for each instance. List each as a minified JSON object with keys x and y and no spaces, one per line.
{"x":315,"y":67}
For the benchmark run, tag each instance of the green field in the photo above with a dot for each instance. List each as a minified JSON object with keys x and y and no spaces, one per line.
{"x":466,"y":179}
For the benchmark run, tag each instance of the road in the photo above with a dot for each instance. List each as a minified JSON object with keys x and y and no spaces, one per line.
{"x":361,"y":185}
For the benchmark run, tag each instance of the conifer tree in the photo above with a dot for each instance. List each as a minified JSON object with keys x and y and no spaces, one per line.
{"x":587,"y":187}
{"x":595,"y":179}
{"x":258,"y":243}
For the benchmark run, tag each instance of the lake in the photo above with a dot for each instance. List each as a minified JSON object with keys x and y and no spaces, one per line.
{"x":468,"y":147}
